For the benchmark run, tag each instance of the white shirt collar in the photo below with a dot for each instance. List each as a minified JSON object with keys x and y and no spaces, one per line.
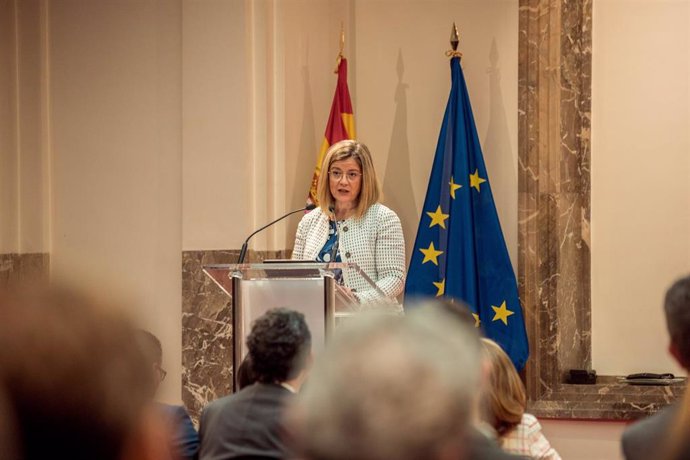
{"x":288,"y":387}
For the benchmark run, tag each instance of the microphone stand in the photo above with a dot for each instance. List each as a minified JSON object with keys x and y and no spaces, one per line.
{"x":243,"y":251}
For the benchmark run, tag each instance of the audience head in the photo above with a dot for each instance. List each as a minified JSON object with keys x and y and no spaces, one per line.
{"x":153,"y":353}
{"x":390,"y":387}
{"x":505,"y":395}
{"x":677,"y":308}
{"x":279,"y":346}
{"x":74,"y":377}
{"x":8,"y":436}
{"x":245,"y":374}
{"x":456,"y":308}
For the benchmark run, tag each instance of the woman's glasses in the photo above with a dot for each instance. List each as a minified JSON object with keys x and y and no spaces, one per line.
{"x":350,"y":175}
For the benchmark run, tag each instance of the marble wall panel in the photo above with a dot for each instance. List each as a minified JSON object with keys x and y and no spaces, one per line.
{"x":207,"y":327}
{"x":554,"y":192}
{"x":23,"y":268}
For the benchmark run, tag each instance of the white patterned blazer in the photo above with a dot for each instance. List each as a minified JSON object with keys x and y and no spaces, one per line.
{"x":374,"y":242}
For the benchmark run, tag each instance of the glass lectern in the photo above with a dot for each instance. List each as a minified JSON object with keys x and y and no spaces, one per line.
{"x":307,"y":287}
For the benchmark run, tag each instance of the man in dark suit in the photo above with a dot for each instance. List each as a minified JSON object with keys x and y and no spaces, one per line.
{"x":184,"y":440}
{"x":646,"y":438}
{"x":249,"y":423}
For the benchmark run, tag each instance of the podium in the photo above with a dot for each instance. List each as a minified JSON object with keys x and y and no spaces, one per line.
{"x":304,"y":286}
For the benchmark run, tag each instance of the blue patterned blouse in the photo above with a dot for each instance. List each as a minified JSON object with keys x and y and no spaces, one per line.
{"x":326,"y":252}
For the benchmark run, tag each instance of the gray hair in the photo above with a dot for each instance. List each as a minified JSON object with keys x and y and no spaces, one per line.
{"x":391,"y":387}
{"x":677,"y":309}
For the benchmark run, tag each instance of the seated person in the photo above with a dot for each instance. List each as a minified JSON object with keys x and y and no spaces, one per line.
{"x":390,"y":388}
{"x":482,"y":444}
{"x":184,"y":442}
{"x":7,"y":433}
{"x":248,"y":424}
{"x":646,"y":438}
{"x":245,"y":374}
{"x":75,"y":380}
{"x":518,"y":432}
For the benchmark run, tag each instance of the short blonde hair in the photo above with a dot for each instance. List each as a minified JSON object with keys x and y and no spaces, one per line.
{"x":369,"y":192}
{"x":505,"y":397}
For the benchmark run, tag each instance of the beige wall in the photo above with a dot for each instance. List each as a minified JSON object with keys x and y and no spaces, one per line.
{"x":9,"y":230}
{"x":116,"y":111}
{"x":32,"y":133}
{"x":585,"y":440}
{"x":23,"y":147}
{"x":257,"y":88}
{"x":402,"y":85}
{"x":310,"y":58}
{"x":215,"y":121}
{"x":258,"y":85}
{"x":153,"y":127}
{"x":640,"y":178}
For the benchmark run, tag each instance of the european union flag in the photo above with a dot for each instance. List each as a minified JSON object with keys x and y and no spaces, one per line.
{"x":460,"y":251}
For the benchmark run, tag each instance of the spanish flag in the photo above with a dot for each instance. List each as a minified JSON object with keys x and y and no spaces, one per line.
{"x":341,"y":125}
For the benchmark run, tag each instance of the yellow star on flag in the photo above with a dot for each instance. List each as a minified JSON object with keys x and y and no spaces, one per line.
{"x":441,"y":286}
{"x":437,"y":217}
{"x":430,"y":254}
{"x":502,"y":313}
{"x":477,"y":321}
{"x":453,"y":187}
{"x":475,"y":180}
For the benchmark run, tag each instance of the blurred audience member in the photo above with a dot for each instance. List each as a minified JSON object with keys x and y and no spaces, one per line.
{"x":482,"y":443}
{"x":391,"y":388}
{"x":75,"y":379}
{"x":457,"y":309}
{"x":647,"y":438}
{"x":676,"y":445}
{"x":245,"y":374}
{"x":248,"y":424}
{"x":8,"y":437}
{"x":184,"y":442}
{"x":518,"y":432}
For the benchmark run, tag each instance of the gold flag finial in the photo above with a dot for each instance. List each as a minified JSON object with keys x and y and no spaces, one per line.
{"x":342,"y":46}
{"x":454,"y":37}
{"x":454,"y":42}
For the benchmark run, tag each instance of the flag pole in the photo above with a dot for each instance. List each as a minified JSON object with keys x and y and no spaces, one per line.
{"x":342,"y":47}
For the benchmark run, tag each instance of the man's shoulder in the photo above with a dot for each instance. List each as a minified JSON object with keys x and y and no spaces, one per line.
{"x":217,"y":405}
{"x":173,"y":411}
{"x":651,"y":425}
{"x":647,"y":433}
{"x":268,"y":390}
{"x":251,"y":392}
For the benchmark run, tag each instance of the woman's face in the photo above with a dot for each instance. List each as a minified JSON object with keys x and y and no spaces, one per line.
{"x":345,"y":181}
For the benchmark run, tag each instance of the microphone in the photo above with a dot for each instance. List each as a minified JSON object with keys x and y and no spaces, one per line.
{"x":334,"y":249}
{"x":243,"y":251}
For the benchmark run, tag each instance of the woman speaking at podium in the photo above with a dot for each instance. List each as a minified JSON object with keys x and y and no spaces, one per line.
{"x":350,"y":225}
